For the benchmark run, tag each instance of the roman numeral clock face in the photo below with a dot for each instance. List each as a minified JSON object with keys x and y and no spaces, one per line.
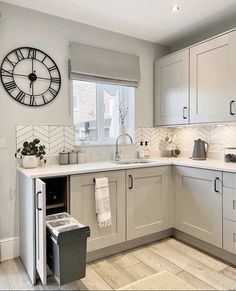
{"x":30,"y":76}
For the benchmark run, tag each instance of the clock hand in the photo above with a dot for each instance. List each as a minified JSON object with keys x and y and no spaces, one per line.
{"x":32,"y":84}
{"x":22,"y":75}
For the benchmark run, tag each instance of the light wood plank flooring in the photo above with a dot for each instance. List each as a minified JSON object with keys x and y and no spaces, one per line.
{"x":198,"y":269}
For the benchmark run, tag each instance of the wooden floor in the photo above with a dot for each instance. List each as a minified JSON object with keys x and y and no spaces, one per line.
{"x":201,"y":271}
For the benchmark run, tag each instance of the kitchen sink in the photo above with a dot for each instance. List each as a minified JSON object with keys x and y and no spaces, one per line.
{"x":134,"y":161}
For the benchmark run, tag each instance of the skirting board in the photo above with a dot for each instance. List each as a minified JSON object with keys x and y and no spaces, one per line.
{"x":9,"y":248}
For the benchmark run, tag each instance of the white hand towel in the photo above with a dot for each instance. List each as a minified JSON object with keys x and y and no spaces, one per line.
{"x":102,"y":202}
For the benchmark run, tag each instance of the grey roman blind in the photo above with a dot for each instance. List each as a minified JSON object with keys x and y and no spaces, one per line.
{"x":100,"y":65}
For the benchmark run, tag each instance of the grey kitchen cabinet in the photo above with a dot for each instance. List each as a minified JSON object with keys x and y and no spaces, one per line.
{"x":82,"y":206}
{"x":32,"y":217}
{"x":26,"y":188}
{"x":198,"y":198}
{"x":33,"y":227}
{"x":34,"y":194}
{"x":229,"y":212}
{"x":149,"y":201}
{"x":172,"y":89}
{"x":229,"y":236}
{"x":229,"y":203}
{"x":41,"y":248}
{"x":212,"y":80}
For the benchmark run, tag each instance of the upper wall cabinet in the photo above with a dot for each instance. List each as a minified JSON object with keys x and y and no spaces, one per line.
{"x":172,"y":89}
{"x":212,"y":80}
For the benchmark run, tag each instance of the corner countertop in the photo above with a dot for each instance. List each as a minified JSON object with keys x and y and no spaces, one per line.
{"x":58,"y":170}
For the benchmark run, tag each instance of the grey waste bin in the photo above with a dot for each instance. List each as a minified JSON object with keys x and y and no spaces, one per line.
{"x":66,"y":247}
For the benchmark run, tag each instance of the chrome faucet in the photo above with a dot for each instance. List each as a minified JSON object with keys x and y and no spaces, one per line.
{"x":117,"y":153}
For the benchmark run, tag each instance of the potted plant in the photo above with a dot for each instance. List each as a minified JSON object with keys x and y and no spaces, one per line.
{"x":31,"y":153}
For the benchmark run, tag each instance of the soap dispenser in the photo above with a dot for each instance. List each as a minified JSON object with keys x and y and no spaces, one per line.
{"x":146,"y":151}
{"x":141,"y":150}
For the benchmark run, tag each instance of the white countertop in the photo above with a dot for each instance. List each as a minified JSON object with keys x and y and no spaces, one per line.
{"x":58,"y":170}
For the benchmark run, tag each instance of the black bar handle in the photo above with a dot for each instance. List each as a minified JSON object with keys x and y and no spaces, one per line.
{"x":215,"y":186}
{"x":131,"y":179}
{"x":231,"y":105}
{"x":39,"y":192}
{"x":184,"y":109}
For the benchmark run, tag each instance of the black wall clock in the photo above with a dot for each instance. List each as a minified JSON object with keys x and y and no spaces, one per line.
{"x":30,"y":76}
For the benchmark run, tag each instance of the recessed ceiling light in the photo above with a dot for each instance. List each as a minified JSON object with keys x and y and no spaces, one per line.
{"x":175,"y":9}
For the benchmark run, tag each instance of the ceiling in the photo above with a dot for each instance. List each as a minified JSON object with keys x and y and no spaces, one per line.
{"x":150,"y":20}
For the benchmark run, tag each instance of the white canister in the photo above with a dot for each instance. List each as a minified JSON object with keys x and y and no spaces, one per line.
{"x":73,"y":157}
{"x":81,"y":157}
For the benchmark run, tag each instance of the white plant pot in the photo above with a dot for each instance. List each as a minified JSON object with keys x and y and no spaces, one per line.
{"x":30,"y":162}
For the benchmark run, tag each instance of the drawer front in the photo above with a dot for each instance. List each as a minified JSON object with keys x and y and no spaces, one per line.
{"x":229,"y":236}
{"x":229,"y":203}
{"x":229,"y":180}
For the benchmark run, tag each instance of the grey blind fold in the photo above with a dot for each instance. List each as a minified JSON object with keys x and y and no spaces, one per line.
{"x":105,"y":66}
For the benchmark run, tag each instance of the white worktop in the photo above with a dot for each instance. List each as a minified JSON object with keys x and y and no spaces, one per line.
{"x":58,"y":170}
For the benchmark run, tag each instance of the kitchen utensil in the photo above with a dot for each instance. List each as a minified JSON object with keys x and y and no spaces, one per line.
{"x":176,"y":152}
{"x":200,"y":150}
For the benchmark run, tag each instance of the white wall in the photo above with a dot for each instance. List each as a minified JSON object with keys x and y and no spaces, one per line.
{"x":204,"y":31}
{"x":23,"y":27}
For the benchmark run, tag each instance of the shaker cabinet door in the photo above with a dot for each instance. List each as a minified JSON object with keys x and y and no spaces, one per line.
{"x":41,"y":259}
{"x":229,"y":236}
{"x":198,"y":196}
{"x":211,"y":98}
{"x":149,"y":201}
{"x":172,"y":89}
{"x":82,"y":205}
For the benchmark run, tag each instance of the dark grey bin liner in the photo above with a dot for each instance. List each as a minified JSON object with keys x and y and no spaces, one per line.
{"x":66,"y":254}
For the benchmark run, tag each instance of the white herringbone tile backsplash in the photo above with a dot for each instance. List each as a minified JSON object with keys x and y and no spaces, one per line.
{"x":218,"y":137}
{"x":55,"y":138}
{"x":58,"y":138}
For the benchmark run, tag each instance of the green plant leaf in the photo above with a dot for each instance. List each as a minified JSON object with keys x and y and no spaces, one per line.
{"x":32,"y":148}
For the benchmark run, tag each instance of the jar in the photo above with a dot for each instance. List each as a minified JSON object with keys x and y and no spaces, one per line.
{"x":81,"y":157}
{"x":230,"y":154}
{"x":73,"y":157}
{"x":63,"y":158}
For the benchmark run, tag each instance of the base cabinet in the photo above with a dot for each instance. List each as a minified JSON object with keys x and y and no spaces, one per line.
{"x":229,"y":212}
{"x":198,"y":196}
{"x":229,"y":236}
{"x":82,"y":206}
{"x":142,"y":203}
{"x":149,"y":201}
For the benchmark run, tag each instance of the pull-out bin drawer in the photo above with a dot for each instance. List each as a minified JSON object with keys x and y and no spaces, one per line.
{"x":66,"y":248}
{"x":229,"y":236}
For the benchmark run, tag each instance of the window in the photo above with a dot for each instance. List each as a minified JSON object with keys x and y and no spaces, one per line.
{"x":102,"y":112}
